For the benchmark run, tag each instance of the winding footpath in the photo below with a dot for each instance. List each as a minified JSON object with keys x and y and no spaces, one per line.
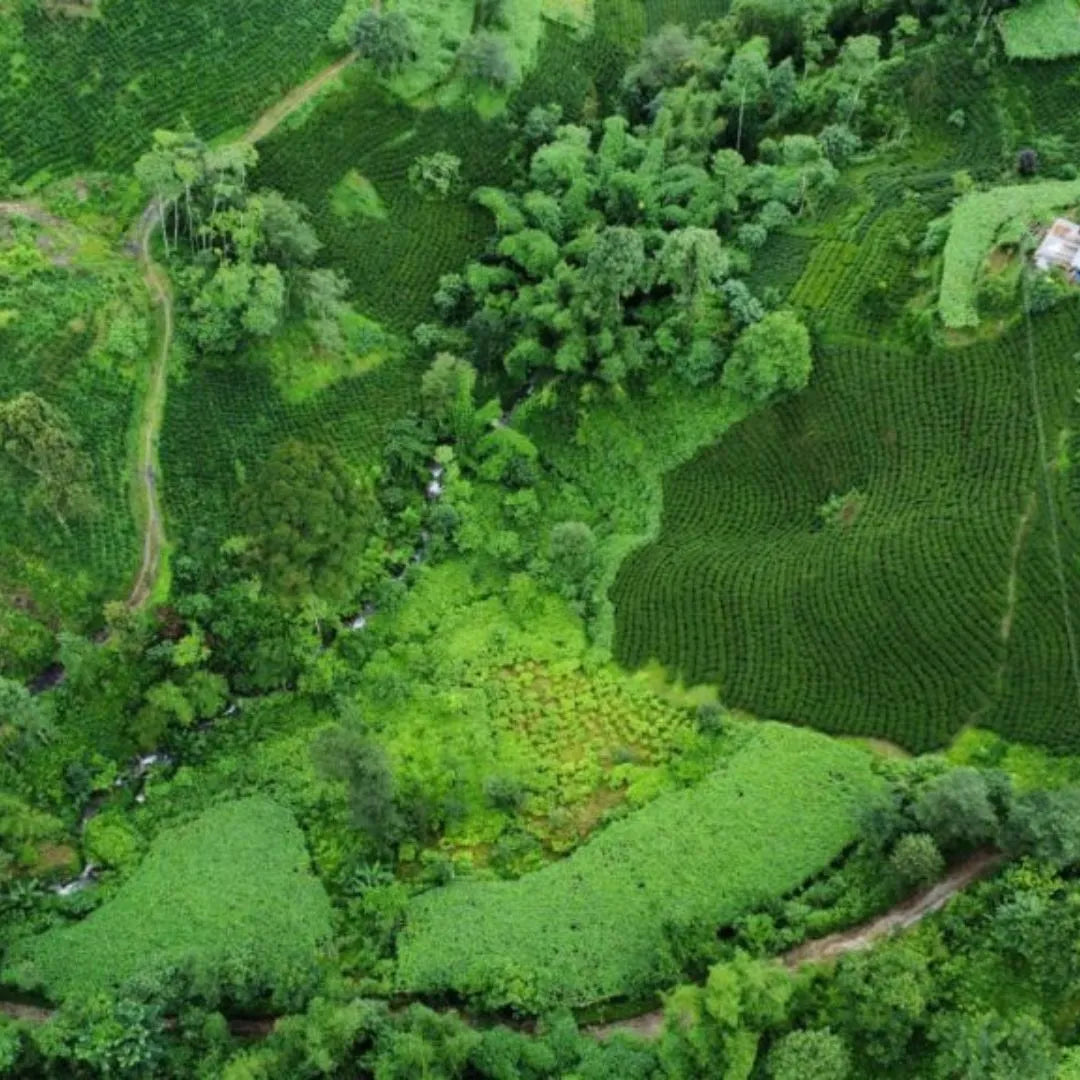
{"x":146,"y":469}
{"x":899,"y":917}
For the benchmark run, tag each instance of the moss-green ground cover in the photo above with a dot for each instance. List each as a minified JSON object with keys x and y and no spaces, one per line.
{"x":1041,"y":30}
{"x":231,"y":889}
{"x":592,"y":926}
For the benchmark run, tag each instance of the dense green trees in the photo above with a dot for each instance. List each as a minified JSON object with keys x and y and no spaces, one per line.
{"x":247,"y":256}
{"x":40,"y":439}
{"x":386,"y":39}
{"x":306,"y":515}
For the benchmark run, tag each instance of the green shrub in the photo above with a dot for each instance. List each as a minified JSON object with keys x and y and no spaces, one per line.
{"x":230,"y":893}
{"x":592,"y":926}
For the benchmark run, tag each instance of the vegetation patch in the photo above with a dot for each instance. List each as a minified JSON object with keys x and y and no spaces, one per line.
{"x":592,"y":927}
{"x":1041,"y":30}
{"x":354,"y":196}
{"x":230,"y":891}
{"x":976,"y":221}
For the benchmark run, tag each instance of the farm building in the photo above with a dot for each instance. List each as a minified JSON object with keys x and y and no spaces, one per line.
{"x":1060,"y":247}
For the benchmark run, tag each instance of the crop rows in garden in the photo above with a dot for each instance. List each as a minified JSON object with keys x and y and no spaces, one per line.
{"x":592,"y":926}
{"x":579,"y":728}
{"x":890,"y":624}
{"x":393,"y":264}
{"x":859,"y":275}
{"x":90,"y":91}
{"x":1038,"y":699}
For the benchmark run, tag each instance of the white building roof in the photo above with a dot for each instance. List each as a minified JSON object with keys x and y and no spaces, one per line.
{"x":1060,"y":246}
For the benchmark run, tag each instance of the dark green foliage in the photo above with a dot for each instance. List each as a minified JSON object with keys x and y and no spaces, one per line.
{"x":363,"y":765}
{"x":39,"y":438}
{"x":393,"y":263}
{"x":306,"y":514}
{"x":943,"y":447}
{"x":384,"y":38}
{"x":987,"y":1046}
{"x":89,"y":91}
{"x":955,"y":808}
{"x":1046,"y":825}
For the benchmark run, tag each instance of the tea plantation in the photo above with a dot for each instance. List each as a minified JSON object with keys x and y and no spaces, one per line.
{"x":539,"y":539}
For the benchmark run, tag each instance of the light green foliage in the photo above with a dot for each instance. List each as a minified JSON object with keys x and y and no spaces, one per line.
{"x":493,"y":684}
{"x":229,"y":893}
{"x":976,"y":220}
{"x":770,"y":358}
{"x":354,"y":197}
{"x":591,"y":927}
{"x":1041,"y":30}
{"x":810,"y":1055}
{"x":916,"y":860}
{"x":435,"y":174}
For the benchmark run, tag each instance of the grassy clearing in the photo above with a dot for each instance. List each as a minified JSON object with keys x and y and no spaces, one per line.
{"x":976,"y":221}
{"x":1041,"y":30}
{"x":231,"y":889}
{"x":592,"y":927}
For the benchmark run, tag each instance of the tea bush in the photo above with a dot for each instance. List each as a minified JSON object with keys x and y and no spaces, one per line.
{"x":904,"y":605}
{"x":89,"y":91}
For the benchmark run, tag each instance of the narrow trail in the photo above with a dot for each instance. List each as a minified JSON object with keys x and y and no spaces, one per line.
{"x":146,"y":469}
{"x":30,"y":210}
{"x":901,"y":916}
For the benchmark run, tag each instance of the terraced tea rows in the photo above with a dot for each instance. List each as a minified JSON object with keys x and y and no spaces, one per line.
{"x":394,"y":263}
{"x":884,"y":618}
{"x":89,"y":91}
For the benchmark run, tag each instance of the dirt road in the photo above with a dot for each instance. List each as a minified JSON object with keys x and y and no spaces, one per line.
{"x":899,"y":917}
{"x":146,"y":469}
